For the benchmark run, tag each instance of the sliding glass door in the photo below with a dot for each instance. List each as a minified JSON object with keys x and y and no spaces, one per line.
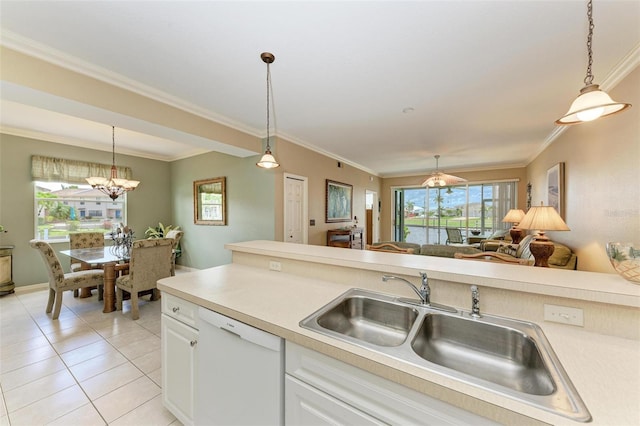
{"x":421,"y":215}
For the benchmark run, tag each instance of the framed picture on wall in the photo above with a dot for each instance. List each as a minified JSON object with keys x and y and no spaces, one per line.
{"x":555,"y":188}
{"x":339,"y":201}
{"x":210,"y":201}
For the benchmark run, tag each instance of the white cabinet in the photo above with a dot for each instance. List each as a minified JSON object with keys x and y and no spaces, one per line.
{"x":179,"y":337}
{"x":306,"y":405}
{"x":323,"y":390}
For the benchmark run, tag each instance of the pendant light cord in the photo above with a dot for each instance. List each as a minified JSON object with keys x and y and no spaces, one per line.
{"x":588,"y":80}
{"x":113,"y":145}
{"x":268,"y":86}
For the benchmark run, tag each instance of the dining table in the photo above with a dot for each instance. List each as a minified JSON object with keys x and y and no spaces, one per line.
{"x":110,"y":260}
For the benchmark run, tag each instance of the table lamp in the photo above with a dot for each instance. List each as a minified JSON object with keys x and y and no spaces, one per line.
{"x":515,"y":216}
{"x":543,"y":218}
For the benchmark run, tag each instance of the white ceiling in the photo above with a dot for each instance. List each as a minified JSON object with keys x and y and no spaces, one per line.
{"x":485,"y":79}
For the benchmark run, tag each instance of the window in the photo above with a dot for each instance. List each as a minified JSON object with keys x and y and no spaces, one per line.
{"x":421,"y":215}
{"x":61,"y":208}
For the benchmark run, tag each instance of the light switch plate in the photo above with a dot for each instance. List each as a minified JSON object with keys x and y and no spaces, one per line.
{"x":564,"y":315}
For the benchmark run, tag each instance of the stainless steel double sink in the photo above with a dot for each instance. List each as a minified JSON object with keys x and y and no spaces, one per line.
{"x":503,"y":355}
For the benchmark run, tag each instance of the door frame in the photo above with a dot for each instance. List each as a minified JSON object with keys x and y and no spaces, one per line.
{"x":305,"y":206}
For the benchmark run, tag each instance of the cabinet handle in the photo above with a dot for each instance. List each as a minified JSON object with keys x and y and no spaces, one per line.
{"x":193,"y":343}
{"x":175,"y":309}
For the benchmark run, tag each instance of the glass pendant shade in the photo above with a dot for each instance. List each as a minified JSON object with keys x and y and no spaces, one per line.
{"x":438,"y":178}
{"x":592,"y":103}
{"x":267,"y":161}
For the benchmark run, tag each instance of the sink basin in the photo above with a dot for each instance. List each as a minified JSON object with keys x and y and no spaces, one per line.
{"x":506,"y":356}
{"x":378,"y":321}
{"x":495,"y":353}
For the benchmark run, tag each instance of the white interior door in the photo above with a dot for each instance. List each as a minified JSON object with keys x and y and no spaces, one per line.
{"x":371,"y":202}
{"x":295,"y":209}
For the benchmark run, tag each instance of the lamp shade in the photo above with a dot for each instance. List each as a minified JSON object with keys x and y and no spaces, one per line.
{"x":514,"y":216}
{"x":543,"y":218}
{"x":267,"y":161}
{"x":592,"y":103}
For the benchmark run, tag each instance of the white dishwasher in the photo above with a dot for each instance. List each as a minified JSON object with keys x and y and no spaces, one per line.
{"x":240,"y":373}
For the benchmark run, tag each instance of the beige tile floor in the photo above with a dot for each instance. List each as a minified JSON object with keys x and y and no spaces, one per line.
{"x":86,"y":368}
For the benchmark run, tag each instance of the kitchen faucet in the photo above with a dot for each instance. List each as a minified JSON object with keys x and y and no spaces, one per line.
{"x":424,"y":292}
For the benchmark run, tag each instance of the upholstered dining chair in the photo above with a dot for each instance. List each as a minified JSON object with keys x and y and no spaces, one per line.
{"x":176,"y":235}
{"x":80,"y":240}
{"x":150,"y":261}
{"x":59,"y":281}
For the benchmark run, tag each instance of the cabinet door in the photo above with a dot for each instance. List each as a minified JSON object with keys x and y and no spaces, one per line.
{"x":306,"y":405}
{"x":179,"y":344}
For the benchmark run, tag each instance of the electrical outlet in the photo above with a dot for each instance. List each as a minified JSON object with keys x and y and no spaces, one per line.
{"x":275,"y":266}
{"x":564,"y":315}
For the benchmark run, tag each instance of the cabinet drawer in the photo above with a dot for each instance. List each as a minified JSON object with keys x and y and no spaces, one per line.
{"x":380,"y":398}
{"x":180,"y":309}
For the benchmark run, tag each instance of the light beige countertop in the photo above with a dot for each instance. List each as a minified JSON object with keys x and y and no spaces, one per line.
{"x":604,"y":369}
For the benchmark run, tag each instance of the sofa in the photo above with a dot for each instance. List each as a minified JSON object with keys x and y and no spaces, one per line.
{"x":438,"y":250}
{"x":562,"y":257}
{"x":504,"y":251}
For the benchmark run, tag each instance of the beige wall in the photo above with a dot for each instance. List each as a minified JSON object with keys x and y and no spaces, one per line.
{"x":386,"y":214}
{"x":602,"y":179}
{"x":300,"y":161}
{"x":148,"y":205}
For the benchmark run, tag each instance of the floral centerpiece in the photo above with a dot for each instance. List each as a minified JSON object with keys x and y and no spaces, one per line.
{"x":122,"y":238}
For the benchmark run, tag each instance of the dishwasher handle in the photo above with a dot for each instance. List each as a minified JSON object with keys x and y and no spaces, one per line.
{"x":240,"y":329}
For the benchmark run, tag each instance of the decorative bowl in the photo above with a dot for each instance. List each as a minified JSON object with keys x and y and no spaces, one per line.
{"x":475,"y":232}
{"x":625,"y":258}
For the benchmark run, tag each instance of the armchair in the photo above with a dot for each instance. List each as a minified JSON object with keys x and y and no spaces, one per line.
{"x":150,"y":261}
{"x":59,"y":281}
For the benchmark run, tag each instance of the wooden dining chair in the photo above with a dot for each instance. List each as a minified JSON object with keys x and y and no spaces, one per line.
{"x":59,"y":281}
{"x":150,"y":261}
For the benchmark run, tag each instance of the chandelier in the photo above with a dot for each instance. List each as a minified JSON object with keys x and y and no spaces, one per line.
{"x":592,"y":103}
{"x":113,"y":186}
{"x":268,"y":161}
{"x":438,"y":178}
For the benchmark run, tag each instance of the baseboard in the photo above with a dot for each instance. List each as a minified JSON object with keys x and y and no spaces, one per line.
{"x":31,"y":288}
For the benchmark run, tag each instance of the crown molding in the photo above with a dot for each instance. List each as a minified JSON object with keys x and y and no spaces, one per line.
{"x":45,"y":53}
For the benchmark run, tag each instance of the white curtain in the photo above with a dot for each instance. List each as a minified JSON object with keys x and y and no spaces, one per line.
{"x":504,"y":199}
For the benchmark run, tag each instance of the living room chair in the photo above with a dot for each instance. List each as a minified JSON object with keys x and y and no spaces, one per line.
{"x":59,"y":281}
{"x":454,"y":236}
{"x":176,"y":235}
{"x":80,"y":240}
{"x":150,"y":261}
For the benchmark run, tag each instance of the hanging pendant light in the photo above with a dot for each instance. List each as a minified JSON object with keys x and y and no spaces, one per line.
{"x":268,"y":161}
{"x":592,"y":103}
{"x":113,"y":187}
{"x":438,"y":178}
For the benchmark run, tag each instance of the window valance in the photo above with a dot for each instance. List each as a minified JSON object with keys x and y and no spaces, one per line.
{"x":51,"y":169}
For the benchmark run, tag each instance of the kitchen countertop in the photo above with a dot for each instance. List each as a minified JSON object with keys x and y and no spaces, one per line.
{"x":604,"y":369}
